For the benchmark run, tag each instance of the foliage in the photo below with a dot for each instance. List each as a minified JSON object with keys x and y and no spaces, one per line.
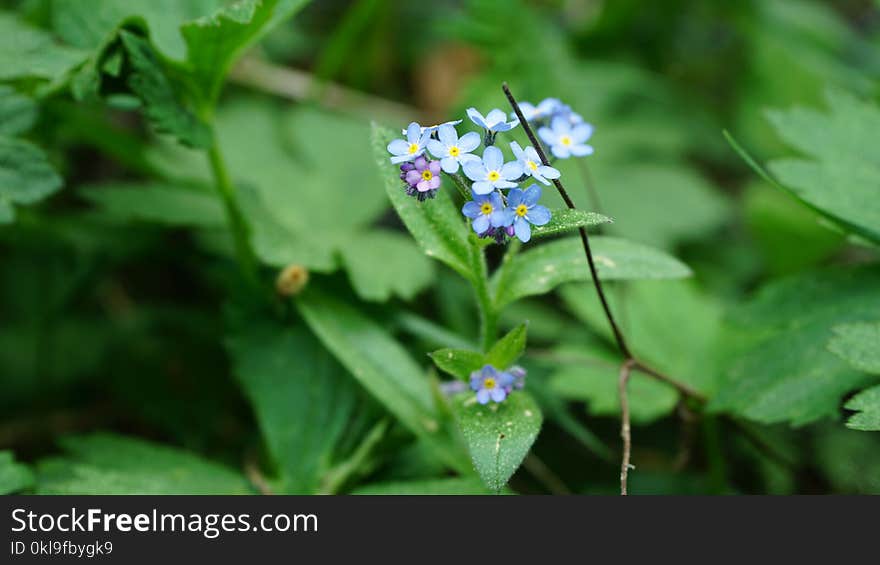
{"x":216,"y":282}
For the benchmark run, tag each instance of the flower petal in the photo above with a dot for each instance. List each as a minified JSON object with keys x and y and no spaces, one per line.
{"x":483,"y":396}
{"x":447,"y":135}
{"x":476,"y":117}
{"x":517,"y":150}
{"x":498,"y":218}
{"x":581,"y":150}
{"x":514,"y":197}
{"x":398,"y":147}
{"x":548,"y":136}
{"x":560,"y":151}
{"x":493,"y":159}
{"x":560,"y":125}
{"x":581,"y":132}
{"x":469,"y":141}
{"x":495,"y":117}
{"x":539,"y":215}
{"x":531,"y":195}
{"x":549,"y":172}
{"x":449,"y":165}
{"x":511,"y":171}
{"x":523,"y":230}
{"x":471,"y":209}
{"x":482,"y":187}
{"x":475,"y":170}
{"x":434,"y":167}
{"x":413,"y":132}
{"x":504,"y":184}
{"x":481,"y":223}
{"x":498,"y":394}
{"x":400,"y":159}
{"x":437,"y":149}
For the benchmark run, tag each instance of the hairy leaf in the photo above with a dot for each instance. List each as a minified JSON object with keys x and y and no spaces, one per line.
{"x":462,"y":362}
{"x":541,"y":269}
{"x":17,"y":112}
{"x":867,"y":404}
{"x":14,"y":476}
{"x":104,"y":463}
{"x":26,"y":177}
{"x":858,"y":345}
{"x":381,"y":263}
{"x":564,"y":220}
{"x":498,"y":436}
{"x":28,"y":52}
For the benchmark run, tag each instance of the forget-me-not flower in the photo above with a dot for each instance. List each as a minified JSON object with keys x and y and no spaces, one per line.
{"x":490,"y":384}
{"x":411,"y":147}
{"x":493,"y":122}
{"x":531,"y":164}
{"x":451,"y":149}
{"x":566,"y":139}
{"x":432,"y":129}
{"x":423,"y":177}
{"x":544,"y":110}
{"x":492,"y":172}
{"x":487,"y":211}
{"x":523,"y":208}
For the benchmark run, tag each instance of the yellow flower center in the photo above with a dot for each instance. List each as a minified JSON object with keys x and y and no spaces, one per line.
{"x":494,"y":176}
{"x":427,"y":175}
{"x":486,"y":208}
{"x":454,"y":151}
{"x":413,"y":148}
{"x":522,"y":210}
{"x":565,"y":140}
{"x":489,"y":383}
{"x":532,"y":165}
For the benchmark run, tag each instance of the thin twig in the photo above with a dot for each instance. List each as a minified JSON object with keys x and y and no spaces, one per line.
{"x":255,"y":476}
{"x":681,"y":387}
{"x":625,"y":433}
{"x":585,"y":240}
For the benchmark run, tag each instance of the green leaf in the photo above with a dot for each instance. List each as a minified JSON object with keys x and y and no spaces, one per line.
{"x":842,"y":169}
{"x":173,"y":205}
{"x":498,"y":435}
{"x":858,"y":345}
{"x":765,"y":381}
{"x":14,"y":476}
{"x":303,"y":399}
{"x":110,"y":464}
{"x":453,"y":486}
{"x":564,"y":220}
{"x":508,"y":349}
{"x":215,"y":42}
{"x":435,"y":224}
{"x":543,"y":268}
{"x":17,"y":113}
{"x":461,"y":363}
{"x":372,"y":356}
{"x":162,"y":98}
{"x":26,"y":177}
{"x":867,"y":404}
{"x":402,"y":270}
{"x":28,"y":52}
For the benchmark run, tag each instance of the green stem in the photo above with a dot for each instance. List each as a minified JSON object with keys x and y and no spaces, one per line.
{"x":488,"y":316}
{"x":234,"y":216}
{"x":460,"y":184}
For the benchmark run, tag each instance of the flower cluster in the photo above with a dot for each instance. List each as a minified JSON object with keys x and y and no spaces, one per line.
{"x":498,"y":207}
{"x":491,"y":384}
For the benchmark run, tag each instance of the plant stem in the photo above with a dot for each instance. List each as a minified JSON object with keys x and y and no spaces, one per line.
{"x":459,"y":183}
{"x":488,"y":316}
{"x":234,"y":216}
{"x":585,"y":240}
{"x":625,"y":433}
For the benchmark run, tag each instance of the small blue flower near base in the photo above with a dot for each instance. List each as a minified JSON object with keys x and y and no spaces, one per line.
{"x":543,"y":111}
{"x":432,"y":129}
{"x":486,"y":211}
{"x":492,"y":172}
{"x":408,"y":149}
{"x":566,"y":139}
{"x":493,"y":122}
{"x":490,"y":384}
{"x":531,"y":164}
{"x":523,"y":208}
{"x":453,"y":150}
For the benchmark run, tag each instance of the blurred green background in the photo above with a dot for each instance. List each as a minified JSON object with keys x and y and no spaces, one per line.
{"x":115,"y":308}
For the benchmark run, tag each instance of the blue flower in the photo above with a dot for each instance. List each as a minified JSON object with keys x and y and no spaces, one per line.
{"x":531,"y":164}
{"x":492,"y":172}
{"x":525,"y":211}
{"x":544,"y":110}
{"x":411,"y":147}
{"x":486,"y":211}
{"x":432,"y":129}
{"x":566,"y":139}
{"x":489,"y":384}
{"x":493,"y":122}
{"x":453,"y":150}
